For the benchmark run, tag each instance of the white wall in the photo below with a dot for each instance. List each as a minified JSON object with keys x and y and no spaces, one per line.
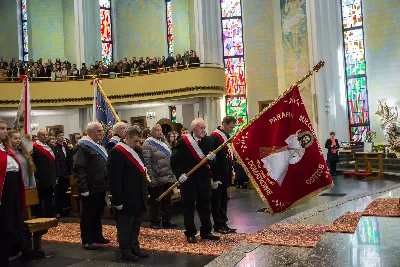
{"x":188,"y":115}
{"x":162,"y":112}
{"x":70,"y":122}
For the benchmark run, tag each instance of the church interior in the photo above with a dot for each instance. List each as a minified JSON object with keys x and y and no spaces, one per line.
{"x":169,"y":62}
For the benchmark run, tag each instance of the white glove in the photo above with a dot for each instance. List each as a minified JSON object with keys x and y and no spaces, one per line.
{"x":85,"y":194}
{"x":175,"y":190}
{"x":211,"y":156}
{"x":215,"y":185}
{"x":119,"y":207}
{"x":183,"y":178}
{"x":145,"y":169}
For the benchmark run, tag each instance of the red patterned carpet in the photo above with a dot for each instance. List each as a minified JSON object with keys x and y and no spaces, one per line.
{"x":295,"y":235}
{"x":383,"y":207}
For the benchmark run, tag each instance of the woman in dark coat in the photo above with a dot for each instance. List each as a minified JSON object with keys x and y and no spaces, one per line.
{"x":333,"y":146}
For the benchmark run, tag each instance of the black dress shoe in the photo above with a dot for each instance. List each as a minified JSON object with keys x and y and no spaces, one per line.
{"x":168,"y":224}
{"x":221,"y":230}
{"x":230,"y":230}
{"x":191,"y":239}
{"x":210,"y":237}
{"x":141,"y":254}
{"x":103,"y":241}
{"x":87,"y":246}
{"x":127,"y":255}
{"x":155,"y":226}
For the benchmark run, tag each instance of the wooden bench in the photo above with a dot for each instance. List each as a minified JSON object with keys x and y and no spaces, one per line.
{"x":39,"y":226}
{"x":368,"y":157}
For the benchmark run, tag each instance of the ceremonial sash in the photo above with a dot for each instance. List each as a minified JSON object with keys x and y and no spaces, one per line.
{"x":44,"y":151}
{"x":163,"y":147}
{"x":223,"y":138}
{"x":100,"y":150}
{"x":3,"y":170}
{"x":195,"y":149}
{"x":114,"y":140}
{"x":132,"y":156}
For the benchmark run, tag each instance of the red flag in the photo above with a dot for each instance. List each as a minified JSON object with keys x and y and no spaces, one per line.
{"x":281,"y":155}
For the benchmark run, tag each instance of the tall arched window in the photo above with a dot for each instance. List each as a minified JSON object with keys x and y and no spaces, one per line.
{"x":106,"y":31}
{"x":25,"y":39}
{"x":170,"y":37}
{"x":356,"y":74}
{"x":232,"y":41}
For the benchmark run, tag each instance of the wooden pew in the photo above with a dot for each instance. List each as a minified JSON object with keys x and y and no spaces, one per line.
{"x":39,"y":226}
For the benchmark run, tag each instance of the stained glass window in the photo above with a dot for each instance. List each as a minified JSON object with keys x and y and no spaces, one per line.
{"x":172,"y":110}
{"x":232,"y":40}
{"x":25,"y":37}
{"x":232,"y":37}
{"x":235,"y":76}
{"x":237,"y":107}
{"x":106,"y":31}
{"x":356,"y":80}
{"x":231,"y":8}
{"x":352,"y":13}
{"x":170,"y":37}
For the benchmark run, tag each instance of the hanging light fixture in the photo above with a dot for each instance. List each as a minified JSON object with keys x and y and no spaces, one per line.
{"x":34,"y":126}
{"x":151,"y":114}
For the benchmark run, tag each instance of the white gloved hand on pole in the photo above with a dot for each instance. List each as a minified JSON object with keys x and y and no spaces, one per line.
{"x":211,"y":156}
{"x":85,"y":194}
{"x":119,"y":207}
{"x":183,"y":178}
{"x":215,"y":185}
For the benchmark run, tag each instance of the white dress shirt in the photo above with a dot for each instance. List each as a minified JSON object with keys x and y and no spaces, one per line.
{"x":12,"y":164}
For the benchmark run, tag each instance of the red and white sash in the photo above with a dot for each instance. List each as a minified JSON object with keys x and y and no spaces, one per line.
{"x":195,"y":149}
{"x":43,"y":149}
{"x":223,"y":138}
{"x":132,"y":156}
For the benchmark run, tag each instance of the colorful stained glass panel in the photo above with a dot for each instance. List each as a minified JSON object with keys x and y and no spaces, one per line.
{"x":237,"y":107}
{"x":24,"y":10}
{"x":354,"y":51}
{"x":352,"y":13}
{"x":231,"y":8}
{"x":232,"y":37}
{"x":105,"y":3}
{"x":105,"y":19}
{"x":169,"y":18}
{"x":358,"y":134}
{"x":106,"y":52}
{"x":235,"y":76}
{"x":358,"y":100}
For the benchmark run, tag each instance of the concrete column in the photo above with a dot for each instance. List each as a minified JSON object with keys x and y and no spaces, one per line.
{"x":91,"y":31}
{"x":328,"y":85}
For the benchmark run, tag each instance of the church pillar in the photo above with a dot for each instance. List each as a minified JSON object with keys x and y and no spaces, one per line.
{"x":328,"y":85}
{"x":89,"y":34}
{"x":208,"y":31}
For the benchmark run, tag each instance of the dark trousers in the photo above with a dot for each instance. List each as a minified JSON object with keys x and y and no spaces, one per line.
{"x":5,"y":248}
{"x":332,"y":167}
{"x":61,"y":194}
{"x":204,"y":211}
{"x":45,"y":206}
{"x":128,"y":228}
{"x":92,"y":210}
{"x":156,"y":207}
{"x":219,"y":206}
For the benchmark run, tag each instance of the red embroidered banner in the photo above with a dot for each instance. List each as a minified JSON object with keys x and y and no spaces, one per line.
{"x":281,"y":155}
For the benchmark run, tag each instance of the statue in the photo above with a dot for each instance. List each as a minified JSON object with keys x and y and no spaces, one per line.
{"x":388,"y":114}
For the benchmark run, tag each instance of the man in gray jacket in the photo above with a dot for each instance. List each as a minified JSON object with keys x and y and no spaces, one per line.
{"x":157,"y":155}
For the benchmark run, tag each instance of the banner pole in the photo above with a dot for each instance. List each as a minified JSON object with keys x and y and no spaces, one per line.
{"x":94,"y":100}
{"x":107,"y":101}
{"x":316,"y":68}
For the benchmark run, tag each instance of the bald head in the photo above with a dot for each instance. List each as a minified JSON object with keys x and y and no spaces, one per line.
{"x":199,"y":128}
{"x":42,"y":136}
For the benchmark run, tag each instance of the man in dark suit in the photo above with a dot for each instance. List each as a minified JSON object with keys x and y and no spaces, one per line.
{"x":219,"y":199}
{"x":195,"y":190}
{"x":128,"y":183}
{"x":64,"y":160}
{"x":90,"y":172}
{"x":119,"y":130}
{"x":45,"y":159}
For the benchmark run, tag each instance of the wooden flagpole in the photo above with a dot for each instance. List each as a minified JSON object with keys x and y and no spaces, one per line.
{"x":316,"y":68}
{"x":97,"y":81}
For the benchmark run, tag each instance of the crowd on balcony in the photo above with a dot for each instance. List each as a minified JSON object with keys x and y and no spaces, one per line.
{"x":41,"y":70}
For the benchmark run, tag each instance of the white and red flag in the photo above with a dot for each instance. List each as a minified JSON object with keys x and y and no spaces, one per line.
{"x":22,"y":121}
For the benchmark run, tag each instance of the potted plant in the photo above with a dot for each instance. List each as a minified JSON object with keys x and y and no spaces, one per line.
{"x":379,"y":148}
{"x":369,"y":137}
{"x":393,"y":133}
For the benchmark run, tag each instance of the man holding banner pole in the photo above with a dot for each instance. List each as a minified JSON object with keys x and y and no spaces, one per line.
{"x":196,"y":190}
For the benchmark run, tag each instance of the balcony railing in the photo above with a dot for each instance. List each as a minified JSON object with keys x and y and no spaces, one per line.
{"x":113,"y":75}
